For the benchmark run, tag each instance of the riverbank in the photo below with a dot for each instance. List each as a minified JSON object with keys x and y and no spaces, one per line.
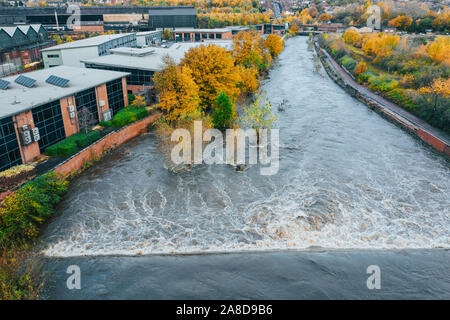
{"x":431,"y":136}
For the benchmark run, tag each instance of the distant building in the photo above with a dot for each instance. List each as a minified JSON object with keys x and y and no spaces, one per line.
{"x":172,"y":17}
{"x":36,"y":112}
{"x":268,"y":28}
{"x":331,"y":27}
{"x":195,"y":35}
{"x":22,"y":44}
{"x":70,"y":53}
{"x":391,"y":30}
{"x":148,"y":38}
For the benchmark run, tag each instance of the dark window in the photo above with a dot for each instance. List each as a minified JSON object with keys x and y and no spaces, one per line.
{"x":218,"y":36}
{"x":88,"y":99}
{"x":211,"y":35}
{"x":115,"y":95}
{"x":136,"y":78}
{"x":48,"y":119}
{"x":9,"y":147}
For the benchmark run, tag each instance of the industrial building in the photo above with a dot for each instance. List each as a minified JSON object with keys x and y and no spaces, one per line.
{"x":71,"y":53}
{"x":41,"y":108}
{"x":191,"y":34}
{"x":141,"y":64}
{"x":105,"y":18}
{"x":21,"y":45}
{"x":172,"y":17}
{"x":268,"y":28}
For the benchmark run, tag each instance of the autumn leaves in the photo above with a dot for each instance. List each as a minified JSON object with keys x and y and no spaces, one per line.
{"x":207,"y":71}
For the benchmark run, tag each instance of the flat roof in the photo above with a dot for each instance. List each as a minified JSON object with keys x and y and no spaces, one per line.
{"x":144,"y":33}
{"x":153,"y":60}
{"x":42,"y":92}
{"x":89,"y":42}
{"x":172,"y":11}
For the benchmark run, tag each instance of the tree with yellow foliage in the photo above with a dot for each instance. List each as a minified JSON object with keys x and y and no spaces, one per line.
{"x":351,"y":36}
{"x":380,"y":45}
{"x":293,"y":29}
{"x":247,"y":48}
{"x":249,"y":79}
{"x":274,"y":44}
{"x":439,"y":50}
{"x":213,"y":71}
{"x":178,"y":92}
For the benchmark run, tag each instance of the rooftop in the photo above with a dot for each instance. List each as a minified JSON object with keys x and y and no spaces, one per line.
{"x":89,"y":42}
{"x":172,"y":11}
{"x":17,"y":98}
{"x":151,"y":59}
{"x":10,"y":30}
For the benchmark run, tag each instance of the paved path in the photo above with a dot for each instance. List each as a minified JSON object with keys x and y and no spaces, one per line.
{"x":438,"y":134}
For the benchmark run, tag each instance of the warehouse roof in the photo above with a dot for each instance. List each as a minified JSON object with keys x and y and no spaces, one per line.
{"x":150,"y":59}
{"x":17,"y":98}
{"x":89,"y":42}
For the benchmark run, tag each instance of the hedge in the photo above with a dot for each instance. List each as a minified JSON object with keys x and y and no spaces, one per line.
{"x":22,"y":212}
{"x":126,"y":116}
{"x":73,"y":144}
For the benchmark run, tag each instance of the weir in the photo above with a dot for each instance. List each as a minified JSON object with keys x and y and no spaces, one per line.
{"x":347,"y":179}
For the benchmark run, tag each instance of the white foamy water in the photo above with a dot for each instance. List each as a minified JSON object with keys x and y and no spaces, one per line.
{"x":347,"y":179}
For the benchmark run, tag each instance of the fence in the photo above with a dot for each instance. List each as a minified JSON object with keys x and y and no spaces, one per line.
{"x":12,"y":66}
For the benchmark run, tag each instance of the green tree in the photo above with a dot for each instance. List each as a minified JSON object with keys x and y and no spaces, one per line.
{"x":223,"y":113}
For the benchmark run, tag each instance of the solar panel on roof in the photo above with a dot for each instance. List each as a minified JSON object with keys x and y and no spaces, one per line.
{"x":57,"y":81}
{"x":25,"y":81}
{"x":4,"y":84}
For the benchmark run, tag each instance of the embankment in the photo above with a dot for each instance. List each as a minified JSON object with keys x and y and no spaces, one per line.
{"x":431,"y":136}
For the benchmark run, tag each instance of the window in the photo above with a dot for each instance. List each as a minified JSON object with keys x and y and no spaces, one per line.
{"x":115,"y":95}
{"x":9,"y":147}
{"x":218,"y":36}
{"x":137,"y":77}
{"x":88,"y":99}
{"x":48,"y":119}
{"x":53,"y":56}
{"x":211,"y":35}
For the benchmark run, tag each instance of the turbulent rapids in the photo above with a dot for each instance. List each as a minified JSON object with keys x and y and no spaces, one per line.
{"x":347,"y":179}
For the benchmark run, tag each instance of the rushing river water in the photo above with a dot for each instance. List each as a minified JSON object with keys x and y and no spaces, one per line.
{"x":348,"y":179}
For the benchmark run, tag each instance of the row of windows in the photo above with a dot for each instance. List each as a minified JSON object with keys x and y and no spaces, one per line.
{"x":9,"y":147}
{"x":48,"y":118}
{"x":125,"y":41}
{"x":115,"y":95}
{"x":137,"y":77}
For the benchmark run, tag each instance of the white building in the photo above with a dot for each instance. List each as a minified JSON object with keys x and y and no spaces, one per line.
{"x":71,"y":53}
{"x":148,"y":38}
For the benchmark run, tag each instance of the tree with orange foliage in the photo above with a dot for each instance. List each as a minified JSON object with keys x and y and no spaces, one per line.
{"x":401,"y":22}
{"x":324,"y":17}
{"x":361,"y":67}
{"x":213,"y":71}
{"x":380,"y":45}
{"x":293,"y":29}
{"x":439,"y":87}
{"x":178,"y":92}
{"x":274,"y":44}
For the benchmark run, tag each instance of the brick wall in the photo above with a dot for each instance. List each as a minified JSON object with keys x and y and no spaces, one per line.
{"x":113,"y":140}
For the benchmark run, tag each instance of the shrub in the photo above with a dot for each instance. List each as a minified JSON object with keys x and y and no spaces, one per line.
{"x":73,"y":144}
{"x":360,"y":68}
{"x":349,"y":63}
{"x":23,"y":211}
{"x":14,"y":176}
{"x":382,"y":83}
{"x":128,"y":115}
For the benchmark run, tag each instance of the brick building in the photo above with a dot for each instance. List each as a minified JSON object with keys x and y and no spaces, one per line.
{"x":41,"y":108}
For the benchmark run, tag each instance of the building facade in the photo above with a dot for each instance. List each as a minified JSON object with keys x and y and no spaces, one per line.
{"x":41,"y":108}
{"x":148,"y":38}
{"x":71,"y":53}
{"x":196,"y":35}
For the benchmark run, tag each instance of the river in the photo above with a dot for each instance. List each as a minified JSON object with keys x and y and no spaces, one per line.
{"x":352,"y":190}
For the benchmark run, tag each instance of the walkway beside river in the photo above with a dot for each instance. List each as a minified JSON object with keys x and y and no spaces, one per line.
{"x":392,"y":107}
